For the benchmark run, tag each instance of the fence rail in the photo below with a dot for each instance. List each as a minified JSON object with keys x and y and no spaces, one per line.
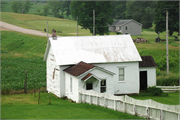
{"x":169,"y":88}
{"x":144,"y":108}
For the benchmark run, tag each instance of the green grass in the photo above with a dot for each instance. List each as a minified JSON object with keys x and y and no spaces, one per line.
{"x":36,"y":22}
{"x":172,"y":99}
{"x":24,"y":106}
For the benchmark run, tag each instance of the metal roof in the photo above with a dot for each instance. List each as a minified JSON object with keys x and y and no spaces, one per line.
{"x":93,"y":49}
{"x":123,"y":22}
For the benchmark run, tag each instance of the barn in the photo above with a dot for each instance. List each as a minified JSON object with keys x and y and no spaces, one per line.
{"x":101,"y":63}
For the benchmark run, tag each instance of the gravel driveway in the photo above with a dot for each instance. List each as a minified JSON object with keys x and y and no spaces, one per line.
{"x":22,"y":30}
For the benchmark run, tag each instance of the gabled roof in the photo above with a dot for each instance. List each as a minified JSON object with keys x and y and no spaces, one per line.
{"x":147,"y":61}
{"x":93,"y":49}
{"x":89,"y":76}
{"x":79,"y":69}
{"x":82,"y":67}
{"x":123,"y":22}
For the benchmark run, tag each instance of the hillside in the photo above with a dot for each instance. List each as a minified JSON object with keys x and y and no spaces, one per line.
{"x":20,"y":52}
{"x":63,"y":27}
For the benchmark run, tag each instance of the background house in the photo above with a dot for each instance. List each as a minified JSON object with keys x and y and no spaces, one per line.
{"x":130,"y":26}
{"x":102,"y":63}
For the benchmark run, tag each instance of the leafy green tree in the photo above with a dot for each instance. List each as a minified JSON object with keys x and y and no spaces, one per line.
{"x":45,"y":10}
{"x":21,"y":6}
{"x":59,"y":7}
{"x":14,"y":6}
{"x":173,"y":16}
{"x":119,"y":9}
{"x":141,"y":11}
{"x":55,"y":7}
{"x":84,"y":11}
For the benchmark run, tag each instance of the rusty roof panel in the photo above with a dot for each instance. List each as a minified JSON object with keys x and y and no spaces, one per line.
{"x":88,"y":75}
{"x":94,"y":49}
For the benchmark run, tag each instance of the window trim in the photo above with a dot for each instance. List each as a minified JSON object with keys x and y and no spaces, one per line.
{"x":103,"y":86}
{"x":121,"y":67}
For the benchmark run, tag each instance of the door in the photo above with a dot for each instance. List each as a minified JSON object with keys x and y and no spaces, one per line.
{"x":143,"y":80}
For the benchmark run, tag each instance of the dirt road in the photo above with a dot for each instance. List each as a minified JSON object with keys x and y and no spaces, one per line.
{"x":8,"y":26}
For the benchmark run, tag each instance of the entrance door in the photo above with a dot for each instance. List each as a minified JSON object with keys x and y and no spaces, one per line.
{"x":143,"y":80}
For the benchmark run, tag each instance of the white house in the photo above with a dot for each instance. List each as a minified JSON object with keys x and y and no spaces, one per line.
{"x":128,"y":26}
{"x":102,"y":63}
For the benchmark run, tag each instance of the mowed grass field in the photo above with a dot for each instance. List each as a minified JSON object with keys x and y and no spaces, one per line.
{"x":172,"y":99}
{"x":63,"y":27}
{"x":25,"y":106}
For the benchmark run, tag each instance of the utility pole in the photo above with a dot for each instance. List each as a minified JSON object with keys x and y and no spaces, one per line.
{"x":47,"y":32}
{"x":77,"y":25}
{"x":94,"y":22}
{"x":167,"y":54}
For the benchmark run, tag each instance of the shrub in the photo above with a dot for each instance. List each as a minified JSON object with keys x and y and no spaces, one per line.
{"x":153,"y":91}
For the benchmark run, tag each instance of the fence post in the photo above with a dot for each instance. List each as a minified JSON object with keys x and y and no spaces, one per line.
{"x":115,"y":105}
{"x":147,"y":112}
{"x":84,"y":98}
{"x":104,"y":102}
{"x":162,"y":115}
{"x":97,"y":100}
{"x":25,"y":83}
{"x":124,"y":104}
{"x":178,"y":116}
{"x":89,"y":99}
{"x":134,"y":109}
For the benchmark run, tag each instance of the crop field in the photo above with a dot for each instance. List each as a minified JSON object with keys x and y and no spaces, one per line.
{"x":20,"y":52}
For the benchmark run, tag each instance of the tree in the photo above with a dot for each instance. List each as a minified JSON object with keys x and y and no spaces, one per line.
{"x":119,"y":8}
{"x":55,"y":7}
{"x":84,"y":11}
{"x":45,"y":10}
{"x":21,"y":6}
{"x":59,"y":7}
{"x":141,"y":11}
{"x":173,"y":16}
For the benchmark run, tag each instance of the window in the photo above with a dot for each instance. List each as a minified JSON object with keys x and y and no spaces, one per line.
{"x":121,"y":74}
{"x":126,"y":28}
{"x":103,"y":86}
{"x":70,"y":84}
{"x":89,"y":86}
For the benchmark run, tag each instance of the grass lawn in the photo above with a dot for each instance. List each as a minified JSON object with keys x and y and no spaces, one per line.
{"x":172,"y":99}
{"x":24,"y":106}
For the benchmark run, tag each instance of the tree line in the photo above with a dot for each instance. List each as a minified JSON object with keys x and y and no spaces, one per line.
{"x":145,"y":12}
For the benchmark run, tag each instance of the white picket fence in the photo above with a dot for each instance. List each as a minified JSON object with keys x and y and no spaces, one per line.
{"x":169,"y":88}
{"x":144,"y":108}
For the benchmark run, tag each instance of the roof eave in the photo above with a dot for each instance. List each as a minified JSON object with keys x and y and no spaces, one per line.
{"x":46,"y":51}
